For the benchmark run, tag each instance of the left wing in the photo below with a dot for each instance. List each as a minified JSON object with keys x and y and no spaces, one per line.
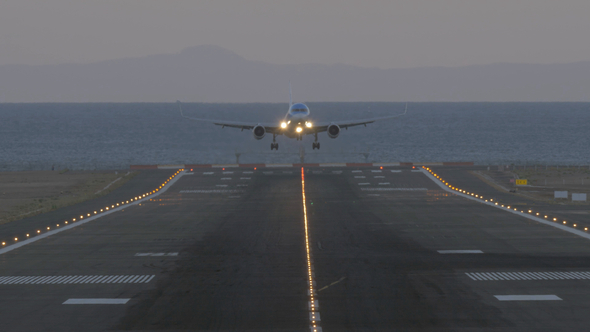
{"x":270,"y":128}
{"x":321,"y":127}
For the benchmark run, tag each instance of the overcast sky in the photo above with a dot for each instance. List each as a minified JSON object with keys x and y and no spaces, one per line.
{"x":385,"y":34}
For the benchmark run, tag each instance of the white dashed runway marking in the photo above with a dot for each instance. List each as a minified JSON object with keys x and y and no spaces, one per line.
{"x":359,"y":177}
{"x":245,"y":178}
{"x":376,"y":171}
{"x":242,"y":185}
{"x":460,"y":252}
{"x":207,"y":173}
{"x":156,"y":254}
{"x":384,"y":183}
{"x":221,"y":185}
{"x":527,"y":297}
{"x":225,"y":178}
{"x":364,"y":184}
{"x":396,"y":171}
{"x":336,"y":172}
{"x":96,"y":301}
{"x":100,"y":279}
{"x":248,"y":172}
{"x":486,"y":276}
{"x":379,"y":177}
{"x":228,"y":172}
{"x":357,"y":171}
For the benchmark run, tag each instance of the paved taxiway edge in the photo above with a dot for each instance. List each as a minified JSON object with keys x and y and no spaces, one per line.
{"x":81,"y":222}
{"x":522,"y":214}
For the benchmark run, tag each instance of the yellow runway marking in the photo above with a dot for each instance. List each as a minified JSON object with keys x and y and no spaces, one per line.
{"x":332,"y":284}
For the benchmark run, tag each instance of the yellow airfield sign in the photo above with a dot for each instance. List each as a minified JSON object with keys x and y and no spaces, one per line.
{"x":521,"y":182}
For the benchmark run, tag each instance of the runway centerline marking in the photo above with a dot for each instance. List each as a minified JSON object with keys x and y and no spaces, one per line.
{"x":357,"y":171}
{"x":207,"y":173}
{"x":364,"y":184}
{"x":156,"y":254}
{"x":225,"y":178}
{"x":360,"y":177}
{"x":528,"y":297}
{"x":314,"y":314}
{"x":96,"y":301}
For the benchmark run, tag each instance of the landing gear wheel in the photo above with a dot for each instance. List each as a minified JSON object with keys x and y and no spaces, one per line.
{"x":274,"y":146}
{"x":315,"y":145}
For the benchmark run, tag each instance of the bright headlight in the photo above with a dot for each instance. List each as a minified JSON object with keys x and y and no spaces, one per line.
{"x":308,"y":124}
{"x":284,"y":125}
{"x":299,"y":129}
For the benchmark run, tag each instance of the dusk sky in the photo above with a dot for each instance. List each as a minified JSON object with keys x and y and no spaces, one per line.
{"x":385,"y":34}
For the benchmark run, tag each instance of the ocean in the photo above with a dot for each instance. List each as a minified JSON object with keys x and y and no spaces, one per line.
{"x":91,"y":136}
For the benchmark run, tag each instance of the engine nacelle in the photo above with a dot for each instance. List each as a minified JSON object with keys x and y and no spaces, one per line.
{"x":333,"y":131}
{"x":259,"y":132}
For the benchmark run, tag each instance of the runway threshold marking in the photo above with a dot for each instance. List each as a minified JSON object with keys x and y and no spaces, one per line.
{"x":499,"y":276}
{"x":96,"y":301}
{"x":76,"y":279}
{"x":314,"y":314}
{"x":460,"y":252}
{"x":528,"y":297}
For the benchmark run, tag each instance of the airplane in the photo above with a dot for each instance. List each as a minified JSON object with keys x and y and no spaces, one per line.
{"x":296,"y":124}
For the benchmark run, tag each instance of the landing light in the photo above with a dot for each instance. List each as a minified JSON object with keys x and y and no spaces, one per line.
{"x":308,"y":124}
{"x":299,"y":129}
{"x":284,"y":125}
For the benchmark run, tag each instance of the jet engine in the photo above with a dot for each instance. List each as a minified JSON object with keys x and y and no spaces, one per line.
{"x":259,"y":132}
{"x":333,"y":130}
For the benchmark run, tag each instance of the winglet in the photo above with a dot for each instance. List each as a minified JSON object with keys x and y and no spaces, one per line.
{"x":290,"y":99}
{"x":406,"y":110}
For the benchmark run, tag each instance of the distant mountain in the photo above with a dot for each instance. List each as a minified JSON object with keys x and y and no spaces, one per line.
{"x":213,"y":74}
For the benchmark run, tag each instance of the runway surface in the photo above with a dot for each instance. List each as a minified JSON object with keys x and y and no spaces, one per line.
{"x":225,"y":250}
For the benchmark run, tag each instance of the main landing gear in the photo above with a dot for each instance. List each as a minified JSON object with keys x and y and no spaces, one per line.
{"x":274,"y":145}
{"x":316,"y":144}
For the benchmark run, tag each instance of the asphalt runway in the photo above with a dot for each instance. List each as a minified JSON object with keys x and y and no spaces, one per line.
{"x":225,"y":250}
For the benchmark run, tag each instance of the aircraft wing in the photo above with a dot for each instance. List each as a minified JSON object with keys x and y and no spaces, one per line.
{"x":321,"y":127}
{"x":273,"y":129}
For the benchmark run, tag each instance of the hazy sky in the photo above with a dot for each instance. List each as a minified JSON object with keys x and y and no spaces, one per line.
{"x":386,"y":34}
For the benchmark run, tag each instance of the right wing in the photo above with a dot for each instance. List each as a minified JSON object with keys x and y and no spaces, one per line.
{"x":320,"y":127}
{"x":273,"y":129}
